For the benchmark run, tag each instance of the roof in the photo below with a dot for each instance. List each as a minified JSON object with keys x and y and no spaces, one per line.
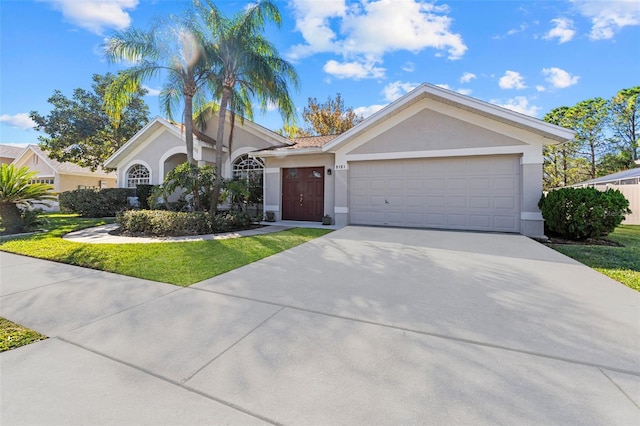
{"x":626,"y":174}
{"x":8,"y":151}
{"x":308,"y":144}
{"x":178,"y":130}
{"x":551,"y":132}
{"x":65,"y":168}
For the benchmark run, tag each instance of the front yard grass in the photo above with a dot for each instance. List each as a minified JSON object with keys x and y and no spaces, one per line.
{"x":620,"y":263}
{"x":13,"y":335}
{"x":182,"y":263}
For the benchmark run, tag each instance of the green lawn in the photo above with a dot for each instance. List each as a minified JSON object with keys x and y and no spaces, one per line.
{"x":182,"y":264}
{"x":13,"y":335}
{"x":620,"y":263}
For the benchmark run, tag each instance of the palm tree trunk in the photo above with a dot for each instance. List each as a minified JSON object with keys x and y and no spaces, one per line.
{"x":188,"y":127}
{"x":10,"y":215}
{"x":219,"y":142}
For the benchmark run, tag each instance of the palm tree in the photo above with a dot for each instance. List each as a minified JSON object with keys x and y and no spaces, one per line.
{"x":245,"y":65}
{"x":16,"y":192}
{"x":178,"y":49}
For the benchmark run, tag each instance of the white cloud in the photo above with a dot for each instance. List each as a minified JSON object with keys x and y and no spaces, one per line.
{"x":20,"y":120}
{"x":409,"y":67}
{"x":540,"y":88}
{"x":467,"y":77}
{"x":151,"y":91}
{"x":462,"y":91}
{"x":96,"y":16}
{"x":609,"y":17}
{"x":518,"y":104}
{"x":356,"y":70}
{"x":393,"y":91}
{"x":373,"y":29}
{"x":563,"y":30}
{"x":368,"y":110}
{"x":559,"y":78}
{"x":511,"y":80}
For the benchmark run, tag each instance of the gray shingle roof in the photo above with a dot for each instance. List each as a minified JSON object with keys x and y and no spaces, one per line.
{"x":625,"y":174}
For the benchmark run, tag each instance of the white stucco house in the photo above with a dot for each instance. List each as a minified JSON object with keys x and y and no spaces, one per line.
{"x":433,"y":158}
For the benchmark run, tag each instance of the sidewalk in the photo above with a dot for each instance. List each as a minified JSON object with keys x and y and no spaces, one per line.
{"x":100,"y":234}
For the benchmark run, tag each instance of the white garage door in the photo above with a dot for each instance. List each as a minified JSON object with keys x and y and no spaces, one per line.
{"x":475,"y":193}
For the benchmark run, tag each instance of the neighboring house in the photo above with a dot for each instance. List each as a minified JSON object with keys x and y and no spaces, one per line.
{"x":433,"y":158}
{"x":627,"y":182}
{"x":63,"y":176}
{"x":9,"y":153}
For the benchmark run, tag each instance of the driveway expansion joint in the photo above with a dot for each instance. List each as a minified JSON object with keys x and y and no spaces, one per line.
{"x":619,"y":388}
{"x":191,"y":376}
{"x":431,"y":334}
{"x":170,"y":381}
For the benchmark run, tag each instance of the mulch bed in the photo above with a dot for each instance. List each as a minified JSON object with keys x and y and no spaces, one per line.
{"x":585,"y":242}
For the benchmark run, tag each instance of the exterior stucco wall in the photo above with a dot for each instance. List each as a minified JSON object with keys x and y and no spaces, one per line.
{"x":431,"y":130}
{"x":36,"y":164}
{"x":71,"y":182}
{"x":273,"y":180}
{"x":531,"y":222}
{"x":151,"y":156}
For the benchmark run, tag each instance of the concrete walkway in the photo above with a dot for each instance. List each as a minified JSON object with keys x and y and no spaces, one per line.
{"x":361,"y":326}
{"x":101,"y":234}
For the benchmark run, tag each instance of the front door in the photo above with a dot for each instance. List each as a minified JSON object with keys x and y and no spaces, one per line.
{"x":303,"y":193}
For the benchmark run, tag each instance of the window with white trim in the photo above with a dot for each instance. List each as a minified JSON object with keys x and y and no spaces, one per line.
{"x":138,"y":174}
{"x":245,"y":166}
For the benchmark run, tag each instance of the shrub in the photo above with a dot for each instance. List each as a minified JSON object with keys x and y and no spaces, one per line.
{"x":144,"y":191}
{"x":578,"y":213}
{"x":230,"y":221}
{"x":96,"y":203}
{"x":33,"y":219}
{"x":162,"y":223}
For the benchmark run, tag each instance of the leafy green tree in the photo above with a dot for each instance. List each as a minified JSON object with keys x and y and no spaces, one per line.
{"x":613,"y":162}
{"x":246,"y":65}
{"x":80,"y":130}
{"x":589,"y":119}
{"x":292,"y":131}
{"x":562,"y":164}
{"x":330,"y":117}
{"x":178,"y":49}
{"x":625,"y":120}
{"x":195,"y":180}
{"x":16,"y":192}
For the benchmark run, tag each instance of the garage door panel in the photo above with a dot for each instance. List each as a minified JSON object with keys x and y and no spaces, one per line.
{"x":480,"y":193}
{"x":457,"y":184}
{"x":480,"y":183}
{"x":480,"y":202}
{"x":457,"y":202}
{"x":480,"y":221}
{"x":505,"y":184}
{"x":506,"y":203}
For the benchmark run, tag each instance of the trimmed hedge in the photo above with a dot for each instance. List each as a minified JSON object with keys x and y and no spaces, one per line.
{"x":163,"y":223}
{"x":96,"y":203}
{"x":579,"y":213}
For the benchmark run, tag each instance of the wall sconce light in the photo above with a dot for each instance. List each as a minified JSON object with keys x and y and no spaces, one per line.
{"x":328,"y":172}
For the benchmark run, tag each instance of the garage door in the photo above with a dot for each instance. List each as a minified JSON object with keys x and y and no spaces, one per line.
{"x":474,"y":193}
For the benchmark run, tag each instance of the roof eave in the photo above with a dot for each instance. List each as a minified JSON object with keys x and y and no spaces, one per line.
{"x":555,"y":134}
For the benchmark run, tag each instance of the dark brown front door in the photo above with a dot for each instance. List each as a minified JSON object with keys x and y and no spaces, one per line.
{"x":303,"y":193}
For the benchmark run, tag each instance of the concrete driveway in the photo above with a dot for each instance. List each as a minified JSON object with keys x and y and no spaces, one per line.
{"x":362,"y":326}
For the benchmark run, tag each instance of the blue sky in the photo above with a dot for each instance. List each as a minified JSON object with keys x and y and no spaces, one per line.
{"x":529,"y":56}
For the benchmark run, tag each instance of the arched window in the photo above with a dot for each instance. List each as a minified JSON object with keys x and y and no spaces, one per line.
{"x":137,"y":174}
{"x":247,"y":167}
